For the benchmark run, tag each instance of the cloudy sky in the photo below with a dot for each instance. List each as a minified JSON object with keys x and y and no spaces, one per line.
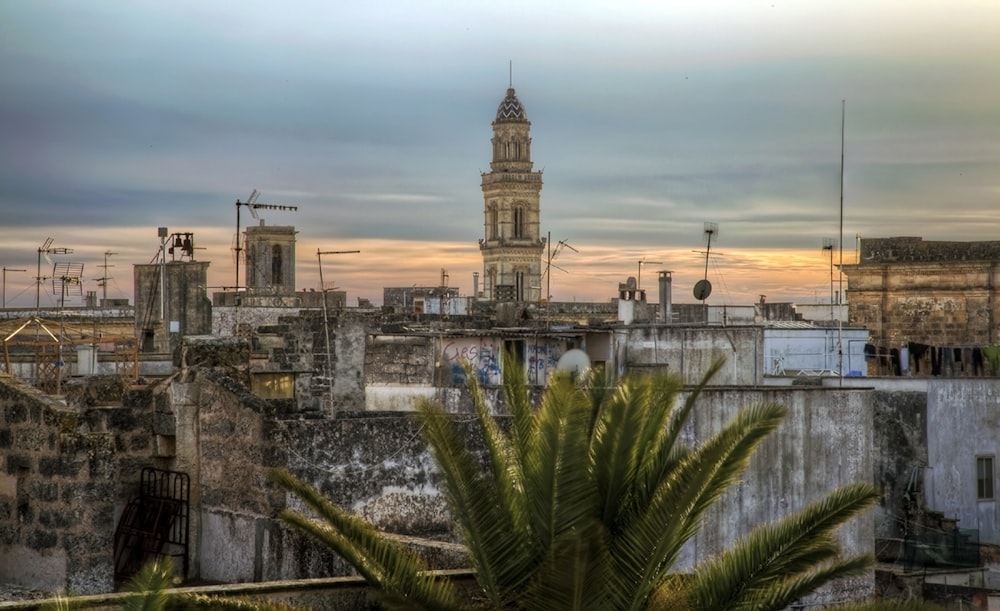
{"x":648,"y":119}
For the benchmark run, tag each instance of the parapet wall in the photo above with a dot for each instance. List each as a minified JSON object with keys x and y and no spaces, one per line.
{"x":915,"y":249}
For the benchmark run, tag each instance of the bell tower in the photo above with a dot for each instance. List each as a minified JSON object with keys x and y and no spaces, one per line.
{"x":512,"y":245}
{"x":270,"y":261}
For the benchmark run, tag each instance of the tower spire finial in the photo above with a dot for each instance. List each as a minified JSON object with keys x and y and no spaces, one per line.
{"x":510,"y":73}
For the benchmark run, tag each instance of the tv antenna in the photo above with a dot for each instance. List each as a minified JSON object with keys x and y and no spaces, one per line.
{"x":103,"y":280}
{"x":253,"y":206}
{"x":45,"y":250}
{"x":66,"y":276}
{"x":703,"y":288}
{"x":552,"y":254}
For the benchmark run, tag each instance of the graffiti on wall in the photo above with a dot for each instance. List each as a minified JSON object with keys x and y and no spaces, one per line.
{"x":482,"y":354}
{"x":542,"y":361}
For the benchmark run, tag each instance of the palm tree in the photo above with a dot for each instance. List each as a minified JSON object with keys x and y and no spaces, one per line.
{"x":586,"y":501}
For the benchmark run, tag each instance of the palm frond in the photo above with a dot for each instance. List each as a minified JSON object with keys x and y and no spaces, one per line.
{"x":666,"y":453}
{"x":774,"y":553}
{"x":487,"y":529}
{"x":649,"y":544}
{"x":518,"y":401}
{"x":383,"y":562}
{"x":780,"y":595}
{"x":619,"y":438}
{"x":149,"y":587}
{"x":505,"y":475}
{"x":562,"y":492}
{"x":575,"y":574}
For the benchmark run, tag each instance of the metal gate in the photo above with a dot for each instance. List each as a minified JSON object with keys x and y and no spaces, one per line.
{"x":155,"y":524}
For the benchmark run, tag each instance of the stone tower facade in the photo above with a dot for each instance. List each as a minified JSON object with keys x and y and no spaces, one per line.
{"x":270,"y":263}
{"x":512,"y":245}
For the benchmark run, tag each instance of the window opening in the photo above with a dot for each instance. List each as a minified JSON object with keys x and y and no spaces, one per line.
{"x":985,"y":476}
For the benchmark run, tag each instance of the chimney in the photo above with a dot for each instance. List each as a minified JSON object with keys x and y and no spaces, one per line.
{"x":666,"y":309}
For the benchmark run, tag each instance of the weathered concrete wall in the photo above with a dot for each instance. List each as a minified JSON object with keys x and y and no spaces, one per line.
{"x":963,"y":421}
{"x":67,"y":472}
{"x":378,"y":466}
{"x":690,"y":352}
{"x":825,"y":442}
{"x":900,"y":437}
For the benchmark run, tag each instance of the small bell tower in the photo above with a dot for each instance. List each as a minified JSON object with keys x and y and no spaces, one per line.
{"x":270,"y":259}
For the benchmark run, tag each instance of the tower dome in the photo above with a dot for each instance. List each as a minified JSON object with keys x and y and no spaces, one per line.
{"x":510,"y":108}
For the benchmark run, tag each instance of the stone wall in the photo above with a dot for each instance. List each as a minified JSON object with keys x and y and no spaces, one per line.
{"x":186,"y":303}
{"x":935,"y":293}
{"x":67,"y":471}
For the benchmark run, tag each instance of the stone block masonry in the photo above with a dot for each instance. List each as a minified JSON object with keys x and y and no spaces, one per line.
{"x":66,"y":472}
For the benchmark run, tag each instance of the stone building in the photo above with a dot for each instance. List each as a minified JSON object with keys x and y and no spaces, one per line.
{"x":170,"y":302}
{"x":270,"y":259}
{"x":931,"y":307}
{"x":512,"y":245}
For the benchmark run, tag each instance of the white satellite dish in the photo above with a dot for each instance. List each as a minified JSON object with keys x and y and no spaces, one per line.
{"x":575,"y":361}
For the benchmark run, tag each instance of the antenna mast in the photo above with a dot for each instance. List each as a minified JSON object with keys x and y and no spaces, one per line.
{"x":703,"y":288}
{"x":103,"y":280}
{"x":45,"y":250}
{"x":552,"y":254}
{"x":840,"y":288}
{"x":843,"y":115}
{"x":253,"y":206}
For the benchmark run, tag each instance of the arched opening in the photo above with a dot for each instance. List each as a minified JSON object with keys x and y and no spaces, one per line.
{"x":276,"y":277}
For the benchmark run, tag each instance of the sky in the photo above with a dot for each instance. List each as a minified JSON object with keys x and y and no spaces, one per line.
{"x":649,"y":119}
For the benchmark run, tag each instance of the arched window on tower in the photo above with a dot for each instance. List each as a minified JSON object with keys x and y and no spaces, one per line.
{"x":519,"y":286}
{"x":519,"y":228}
{"x":276,"y":265}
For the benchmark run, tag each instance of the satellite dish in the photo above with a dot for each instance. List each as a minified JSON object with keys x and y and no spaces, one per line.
{"x":575,"y":361}
{"x":702,"y":289}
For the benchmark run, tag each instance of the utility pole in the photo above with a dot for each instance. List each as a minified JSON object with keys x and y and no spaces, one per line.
{"x":162,"y":232}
